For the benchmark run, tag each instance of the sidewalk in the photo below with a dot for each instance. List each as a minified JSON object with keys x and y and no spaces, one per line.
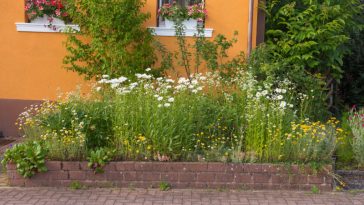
{"x":62,"y":196}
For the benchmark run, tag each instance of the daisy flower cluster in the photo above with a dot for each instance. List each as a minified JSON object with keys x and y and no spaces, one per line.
{"x":163,"y":89}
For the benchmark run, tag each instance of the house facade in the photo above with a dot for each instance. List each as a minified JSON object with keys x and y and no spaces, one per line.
{"x":31,"y":55}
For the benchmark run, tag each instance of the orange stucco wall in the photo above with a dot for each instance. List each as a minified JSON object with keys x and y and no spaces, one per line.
{"x":31,"y":63}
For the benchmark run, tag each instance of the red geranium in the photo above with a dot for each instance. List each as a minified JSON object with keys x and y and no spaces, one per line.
{"x":51,"y":8}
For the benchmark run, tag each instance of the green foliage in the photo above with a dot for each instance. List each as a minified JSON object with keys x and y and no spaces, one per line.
{"x":311,"y":35}
{"x":210,"y":53}
{"x":344,"y":152}
{"x":352,"y":91}
{"x":29,"y":158}
{"x":356,"y":119}
{"x":315,"y":189}
{"x":164,"y":186}
{"x":113,"y":39}
{"x":306,"y":42}
{"x":69,"y":128}
{"x":76,"y":185}
{"x":99,"y":158}
{"x":215,"y":54}
{"x":203,"y":118}
{"x":70,"y":121}
{"x":311,"y":142}
{"x":173,"y":12}
{"x":141,"y":117}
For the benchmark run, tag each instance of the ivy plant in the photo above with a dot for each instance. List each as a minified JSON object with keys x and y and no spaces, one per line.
{"x":29,"y":158}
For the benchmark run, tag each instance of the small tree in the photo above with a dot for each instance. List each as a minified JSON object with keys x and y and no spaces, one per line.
{"x":112,"y":39}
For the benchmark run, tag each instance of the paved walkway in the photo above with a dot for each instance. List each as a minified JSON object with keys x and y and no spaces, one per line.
{"x":62,"y":196}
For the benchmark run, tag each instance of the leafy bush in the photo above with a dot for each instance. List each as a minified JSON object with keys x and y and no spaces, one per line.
{"x":29,"y":158}
{"x":306,"y":42}
{"x":113,"y":38}
{"x":312,"y":34}
{"x":99,"y":158}
{"x":356,"y":120}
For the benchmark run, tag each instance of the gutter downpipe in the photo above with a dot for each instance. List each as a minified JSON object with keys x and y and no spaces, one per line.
{"x":250,"y":24}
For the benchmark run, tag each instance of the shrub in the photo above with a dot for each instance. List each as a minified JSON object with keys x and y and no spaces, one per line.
{"x":28,"y":157}
{"x":306,"y":42}
{"x":312,"y":34}
{"x":113,"y":38}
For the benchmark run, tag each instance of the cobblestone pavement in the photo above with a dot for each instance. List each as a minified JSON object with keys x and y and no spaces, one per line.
{"x":62,"y":196}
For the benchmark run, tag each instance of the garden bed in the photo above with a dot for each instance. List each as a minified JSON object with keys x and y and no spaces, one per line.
{"x":179,"y":175}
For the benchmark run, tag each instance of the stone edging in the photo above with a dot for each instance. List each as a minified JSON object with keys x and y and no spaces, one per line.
{"x":179,"y":175}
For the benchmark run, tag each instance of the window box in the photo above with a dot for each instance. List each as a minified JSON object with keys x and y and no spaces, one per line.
{"x":189,"y":24}
{"x":46,"y":24}
{"x":44,"y":28}
{"x":189,"y":32}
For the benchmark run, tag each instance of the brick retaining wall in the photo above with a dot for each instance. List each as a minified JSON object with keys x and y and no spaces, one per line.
{"x":179,"y":175}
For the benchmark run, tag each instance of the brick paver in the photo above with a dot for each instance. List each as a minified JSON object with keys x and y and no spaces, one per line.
{"x":110,"y":196}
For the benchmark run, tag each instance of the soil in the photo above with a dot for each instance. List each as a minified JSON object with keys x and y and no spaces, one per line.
{"x":5,"y":142}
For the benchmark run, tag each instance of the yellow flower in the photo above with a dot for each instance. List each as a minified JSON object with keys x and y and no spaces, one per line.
{"x":141,"y":138}
{"x":339,"y":130}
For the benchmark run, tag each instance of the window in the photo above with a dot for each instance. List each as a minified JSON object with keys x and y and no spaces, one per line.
{"x":182,"y":3}
{"x":165,"y":27}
